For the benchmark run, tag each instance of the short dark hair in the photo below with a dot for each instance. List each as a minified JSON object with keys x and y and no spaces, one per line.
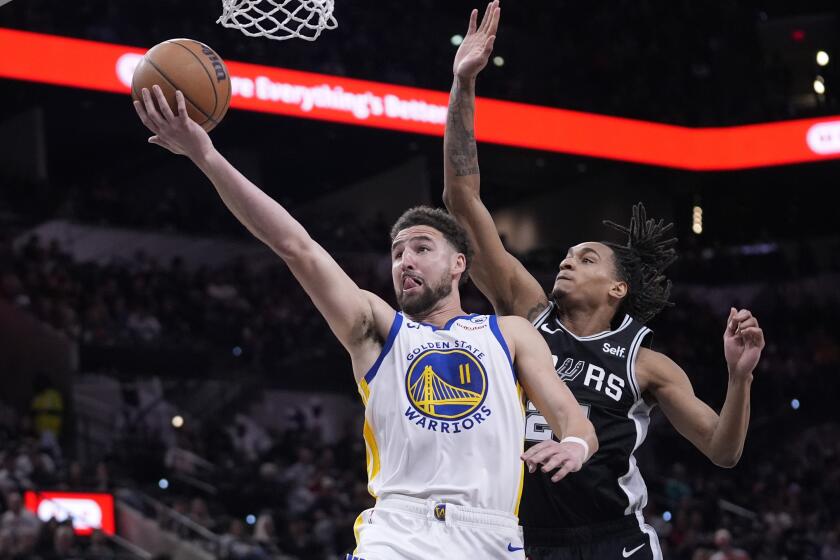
{"x":641,"y":261}
{"x":442,"y":221}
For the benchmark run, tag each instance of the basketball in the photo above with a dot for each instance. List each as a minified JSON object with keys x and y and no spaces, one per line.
{"x":189,"y":66}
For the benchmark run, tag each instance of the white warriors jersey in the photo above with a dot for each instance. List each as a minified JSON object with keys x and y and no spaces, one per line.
{"x":444,"y":418}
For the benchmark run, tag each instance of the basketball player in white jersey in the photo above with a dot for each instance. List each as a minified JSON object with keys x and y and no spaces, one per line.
{"x":444,"y":417}
{"x":594,"y":323}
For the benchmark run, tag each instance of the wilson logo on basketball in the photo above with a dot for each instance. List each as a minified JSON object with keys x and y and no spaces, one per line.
{"x":189,"y":66}
{"x":221,"y":73}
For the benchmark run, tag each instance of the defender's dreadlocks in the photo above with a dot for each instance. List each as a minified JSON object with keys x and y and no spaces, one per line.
{"x":641,"y":262}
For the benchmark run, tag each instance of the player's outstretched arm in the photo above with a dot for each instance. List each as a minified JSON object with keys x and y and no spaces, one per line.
{"x":497,"y":273}
{"x":719,"y":437}
{"x":358,"y":318}
{"x":554,"y":400}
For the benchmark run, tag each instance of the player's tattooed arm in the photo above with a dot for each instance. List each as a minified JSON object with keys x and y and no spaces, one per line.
{"x":461,"y":154}
{"x":497,"y":273}
{"x":459,"y":142}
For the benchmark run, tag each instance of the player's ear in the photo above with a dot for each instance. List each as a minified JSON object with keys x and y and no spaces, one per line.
{"x":618,"y":289}
{"x":459,"y":263}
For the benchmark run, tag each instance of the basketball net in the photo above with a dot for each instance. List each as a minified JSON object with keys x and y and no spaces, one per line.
{"x":279,"y":19}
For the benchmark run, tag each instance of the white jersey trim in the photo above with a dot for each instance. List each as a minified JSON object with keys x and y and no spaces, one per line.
{"x":631,"y":361}
{"x":632,"y":482}
{"x":624,"y":324}
{"x":543,"y":314}
{"x":656,"y":549}
{"x":497,"y":332}
{"x":386,"y":347}
{"x":449,"y":323}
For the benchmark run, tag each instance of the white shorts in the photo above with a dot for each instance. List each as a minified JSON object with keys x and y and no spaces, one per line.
{"x":404,"y":528}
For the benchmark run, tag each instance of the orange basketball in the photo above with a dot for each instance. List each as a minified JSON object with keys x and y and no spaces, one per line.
{"x":189,"y":66}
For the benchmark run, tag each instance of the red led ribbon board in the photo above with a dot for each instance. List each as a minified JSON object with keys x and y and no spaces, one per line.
{"x":107,"y":67}
{"x":88,"y":511}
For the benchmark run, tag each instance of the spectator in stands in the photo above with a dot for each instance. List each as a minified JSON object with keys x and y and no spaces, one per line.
{"x":64,"y":545}
{"x":102,"y":478}
{"x":264,"y":531}
{"x":173,"y":522}
{"x":99,"y":548}
{"x":75,"y":479}
{"x":47,"y":411}
{"x":236,"y":545}
{"x":831,"y":548}
{"x":324,"y":529}
{"x":249,"y":439}
{"x":44,"y":471}
{"x":301,"y":471}
{"x":725,"y":550}
{"x":298,"y":540}
{"x":143,"y":324}
{"x":19,"y":526}
{"x":9,"y":480}
{"x":201,"y":514}
{"x":676,"y":487}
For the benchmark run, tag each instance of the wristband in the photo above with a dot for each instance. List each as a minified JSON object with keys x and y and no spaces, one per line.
{"x":579,"y":441}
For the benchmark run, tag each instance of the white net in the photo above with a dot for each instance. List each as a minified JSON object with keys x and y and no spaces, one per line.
{"x":279,"y":19}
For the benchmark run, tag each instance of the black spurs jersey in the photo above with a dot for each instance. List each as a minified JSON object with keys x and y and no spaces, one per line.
{"x":600,"y":371}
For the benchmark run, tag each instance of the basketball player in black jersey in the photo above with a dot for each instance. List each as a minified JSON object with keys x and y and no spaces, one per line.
{"x":593,"y":320}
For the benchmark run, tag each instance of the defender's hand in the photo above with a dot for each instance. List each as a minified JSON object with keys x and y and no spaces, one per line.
{"x":474,"y":52}
{"x":566,"y":457}
{"x":743,"y":341}
{"x":177,"y":133}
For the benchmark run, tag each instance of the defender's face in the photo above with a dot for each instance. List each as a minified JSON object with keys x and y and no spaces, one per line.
{"x":587,"y":273}
{"x":421,"y":268}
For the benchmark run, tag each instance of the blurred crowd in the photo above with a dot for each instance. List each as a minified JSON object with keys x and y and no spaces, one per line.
{"x":285,"y":493}
{"x":31,"y":462}
{"x":289,"y":493}
{"x":780,"y":503}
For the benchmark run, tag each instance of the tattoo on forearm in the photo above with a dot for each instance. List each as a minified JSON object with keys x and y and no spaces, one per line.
{"x":460,"y":133}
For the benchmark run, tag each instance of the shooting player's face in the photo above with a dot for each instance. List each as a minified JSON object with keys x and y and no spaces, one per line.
{"x":424,"y":268}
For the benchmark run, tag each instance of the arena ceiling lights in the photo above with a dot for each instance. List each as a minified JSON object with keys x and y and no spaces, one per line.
{"x":108,"y":67}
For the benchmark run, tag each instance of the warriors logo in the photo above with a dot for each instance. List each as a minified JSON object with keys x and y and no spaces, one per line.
{"x":446,"y":384}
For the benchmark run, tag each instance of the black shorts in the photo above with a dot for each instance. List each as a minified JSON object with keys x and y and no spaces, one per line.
{"x":623,"y":539}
